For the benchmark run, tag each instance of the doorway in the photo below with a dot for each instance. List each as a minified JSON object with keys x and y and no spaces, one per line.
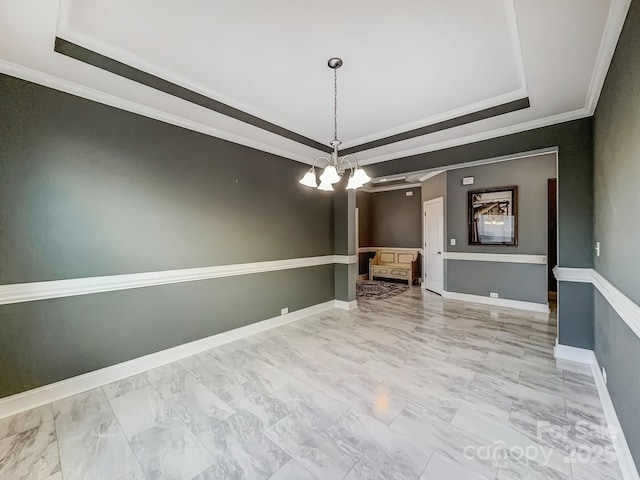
{"x":433,"y":236}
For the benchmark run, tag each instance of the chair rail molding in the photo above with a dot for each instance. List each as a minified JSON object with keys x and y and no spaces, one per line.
{"x":628,"y":310}
{"x":28,"y":292}
{"x":496,"y":257}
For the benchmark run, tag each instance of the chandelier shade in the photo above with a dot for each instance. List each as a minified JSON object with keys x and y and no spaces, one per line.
{"x":309,"y":179}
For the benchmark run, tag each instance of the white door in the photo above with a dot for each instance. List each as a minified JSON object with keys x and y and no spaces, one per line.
{"x":433,"y":245}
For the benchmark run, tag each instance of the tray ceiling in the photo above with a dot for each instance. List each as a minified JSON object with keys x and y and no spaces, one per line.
{"x":407,"y":65}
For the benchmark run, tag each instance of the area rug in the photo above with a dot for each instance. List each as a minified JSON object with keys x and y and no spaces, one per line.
{"x":375,"y":290}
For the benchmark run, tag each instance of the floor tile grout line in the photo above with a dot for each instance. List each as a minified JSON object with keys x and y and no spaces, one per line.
{"x":55,"y":429}
{"x":144,"y":474}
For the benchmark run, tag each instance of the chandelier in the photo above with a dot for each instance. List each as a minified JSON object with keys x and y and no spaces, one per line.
{"x":336,"y":167}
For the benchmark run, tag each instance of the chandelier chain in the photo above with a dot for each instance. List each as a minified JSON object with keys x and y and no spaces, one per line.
{"x":335,"y":104}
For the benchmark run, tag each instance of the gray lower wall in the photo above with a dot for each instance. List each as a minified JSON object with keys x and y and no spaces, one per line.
{"x":50,"y":340}
{"x":617,"y":348}
{"x":513,"y":281}
{"x":617,"y":223}
{"x":90,"y":190}
{"x":575,"y":315}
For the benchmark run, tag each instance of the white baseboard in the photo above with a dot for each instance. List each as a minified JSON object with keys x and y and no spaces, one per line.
{"x":343,"y":305}
{"x":583,"y":355}
{"x":498,"y":302}
{"x":573,"y":354}
{"x":627,"y":465}
{"x":72,"y":386}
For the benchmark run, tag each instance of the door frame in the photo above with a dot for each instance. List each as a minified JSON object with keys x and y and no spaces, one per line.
{"x":437,"y":200}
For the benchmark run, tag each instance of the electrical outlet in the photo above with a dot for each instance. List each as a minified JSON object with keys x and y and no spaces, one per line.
{"x":409,"y":194}
{"x":494,"y":295}
{"x":604,"y":374}
{"x":453,"y":242}
{"x":284,"y":311}
{"x":597,"y":249}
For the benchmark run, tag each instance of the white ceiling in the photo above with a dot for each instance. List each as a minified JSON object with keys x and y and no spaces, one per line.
{"x":407,"y":64}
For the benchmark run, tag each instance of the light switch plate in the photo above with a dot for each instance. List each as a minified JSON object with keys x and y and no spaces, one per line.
{"x":453,"y":241}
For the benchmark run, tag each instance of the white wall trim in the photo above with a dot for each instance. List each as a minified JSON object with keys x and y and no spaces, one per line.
{"x":375,"y":249}
{"x":613,"y":27}
{"x":344,"y":305}
{"x":573,"y":354}
{"x":497,"y":302}
{"x":345,"y":259}
{"x":477,"y":137}
{"x":28,"y":292}
{"x":588,"y":357}
{"x":626,"y":308}
{"x":431,"y":174}
{"x":390,"y":187}
{"x":625,"y":459}
{"x":497,"y":257}
{"x":578,"y":275}
{"x":72,"y":386}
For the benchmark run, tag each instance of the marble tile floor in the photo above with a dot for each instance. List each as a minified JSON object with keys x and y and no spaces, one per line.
{"x":413,"y":387}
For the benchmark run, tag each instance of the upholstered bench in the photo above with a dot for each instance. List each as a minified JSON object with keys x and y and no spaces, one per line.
{"x":397,"y":264}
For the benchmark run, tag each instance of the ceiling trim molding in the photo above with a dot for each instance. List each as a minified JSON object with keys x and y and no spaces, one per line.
{"x":115,"y":101}
{"x":473,"y":116}
{"x":429,"y":175}
{"x":512,"y":23}
{"x":116,"y":67}
{"x":615,"y":20}
{"x":478,"y":137}
{"x":390,"y":188}
{"x":100,"y":47}
{"x":613,"y":27}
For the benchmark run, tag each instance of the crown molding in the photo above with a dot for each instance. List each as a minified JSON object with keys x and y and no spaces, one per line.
{"x":390,"y":188}
{"x":478,"y":137}
{"x":613,"y":27}
{"x":115,"y":101}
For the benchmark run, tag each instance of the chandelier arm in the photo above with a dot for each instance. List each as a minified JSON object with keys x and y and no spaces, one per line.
{"x":320,"y":158}
{"x":344,"y":159}
{"x":355,"y":160}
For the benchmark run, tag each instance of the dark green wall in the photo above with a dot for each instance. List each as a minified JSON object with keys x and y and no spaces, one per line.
{"x":530,"y":175}
{"x":617,"y":222}
{"x":87,"y":189}
{"x":396,"y":219}
{"x":90,"y":190}
{"x":617,"y":164}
